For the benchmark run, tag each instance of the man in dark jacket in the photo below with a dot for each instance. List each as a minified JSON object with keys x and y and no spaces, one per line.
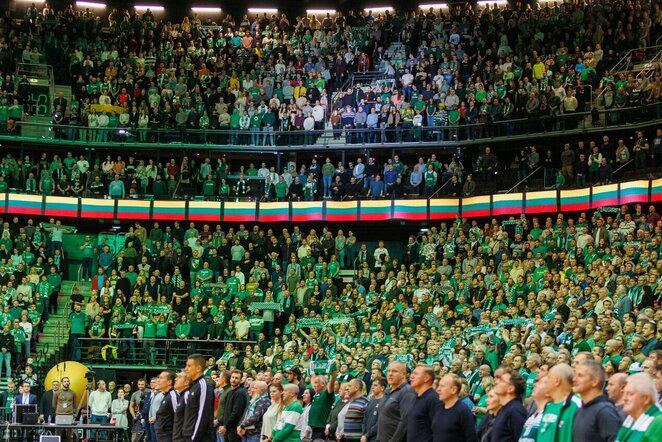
{"x":398,"y":401}
{"x":235,"y":406}
{"x":251,"y":424}
{"x":46,"y":410}
{"x":508,"y":423}
{"x":199,"y":411}
{"x":182,"y":384}
{"x":165,"y":415}
{"x":371,"y":416}
{"x":597,"y":419}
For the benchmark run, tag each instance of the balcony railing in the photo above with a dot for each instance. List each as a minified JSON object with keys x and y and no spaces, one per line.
{"x":343,"y":138}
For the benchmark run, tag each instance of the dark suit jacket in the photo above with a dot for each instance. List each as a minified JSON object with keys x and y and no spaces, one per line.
{"x":32,"y":399}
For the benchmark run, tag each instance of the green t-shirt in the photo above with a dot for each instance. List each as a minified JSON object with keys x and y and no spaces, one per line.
{"x":557,"y":420}
{"x":320,"y":409}
{"x":78,"y":320}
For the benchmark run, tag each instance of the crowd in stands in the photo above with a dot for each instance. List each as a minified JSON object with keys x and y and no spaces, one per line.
{"x":550,"y":318}
{"x":599,"y":160}
{"x":263,"y":75}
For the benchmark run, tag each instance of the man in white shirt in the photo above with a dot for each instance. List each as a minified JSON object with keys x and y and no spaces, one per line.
{"x":99,"y":406}
{"x":379,"y":254}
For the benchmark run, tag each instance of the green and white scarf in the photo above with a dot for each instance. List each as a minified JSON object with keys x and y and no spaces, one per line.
{"x":635,"y":430}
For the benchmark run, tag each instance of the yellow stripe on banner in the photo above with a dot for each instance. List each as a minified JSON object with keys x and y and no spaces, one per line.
{"x":375,"y":204}
{"x":576,"y":193}
{"x":239,"y":206}
{"x":476,"y":200}
{"x":607,"y":188}
{"x":125,"y":204}
{"x":311,"y":206}
{"x":97,"y":202}
{"x":169,"y":205}
{"x":639,"y":185}
{"x":544,"y":194}
{"x":444,"y":202}
{"x":656,"y":183}
{"x":61,"y":200}
{"x":516,"y":197}
{"x":411,"y":203}
{"x":340,"y":205}
{"x":274,"y":206}
{"x":26,"y":198}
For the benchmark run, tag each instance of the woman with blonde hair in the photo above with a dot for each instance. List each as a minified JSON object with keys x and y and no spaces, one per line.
{"x":273,"y":412}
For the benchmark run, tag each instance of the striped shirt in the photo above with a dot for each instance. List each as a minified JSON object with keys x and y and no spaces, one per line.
{"x":353,"y":425}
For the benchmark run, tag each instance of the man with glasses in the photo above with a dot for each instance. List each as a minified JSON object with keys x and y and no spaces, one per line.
{"x":509,"y":388}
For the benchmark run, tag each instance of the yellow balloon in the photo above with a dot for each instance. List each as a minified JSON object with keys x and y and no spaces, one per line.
{"x":76,"y":372}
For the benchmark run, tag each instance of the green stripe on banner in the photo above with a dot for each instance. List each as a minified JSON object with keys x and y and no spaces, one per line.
{"x":415,"y":210}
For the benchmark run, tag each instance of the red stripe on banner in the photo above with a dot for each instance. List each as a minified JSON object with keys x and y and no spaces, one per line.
{"x":203,"y":217}
{"x":273,"y":218}
{"x":168,"y":216}
{"x":341,"y":217}
{"x":307,"y":217}
{"x":238,"y":218}
{"x":125,"y":214}
{"x":506,"y":210}
{"x":575,"y":207}
{"x":375,"y":216}
{"x":62,"y":212}
{"x":545,"y":208}
{"x":414,"y":216}
{"x":94,"y":214}
{"x":608,"y":201}
{"x":24,"y":210}
{"x":475,"y":213}
{"x":636,"y":198}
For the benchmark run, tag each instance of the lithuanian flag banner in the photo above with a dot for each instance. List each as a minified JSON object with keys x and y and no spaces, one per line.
{"x":134,"y":209}
{"x":603,"y":196}
{"x":414,"y":210}
{"x":204,"y":211}
{"x":61,"y":206}
{"x":375,"y":210}
{"x":239,"y":211}
{"x":575,"y":200}
{"x":634,"y":192}
{"x":169,"y":211}
{"x":307,"y":211}
{"x":273,"y":212}
{"x":24,"y":204}
{"x":541,"y":202}
{"x":341,"y":211}
{"x":656,"y":190}
{"x":3,"y":202}
{"x":97,"y":208}
{"x":476,"y":206}
{"x":444,"y":208}
{"x":507,"y":204}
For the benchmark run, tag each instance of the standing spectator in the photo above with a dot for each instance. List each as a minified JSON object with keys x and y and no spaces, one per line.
{"x":199,"y":413}
{"x":559,"y":415}
{"x":453,"y":421}
{"x":372,"y":410}
{"x":182,"y":386}
{"x":321,"y":405}
{"x":597,"y":419}
{"x":640,"y":149}
{"x":581,"y":171}
{"x":615,"y":391}
{"x":250,"y":428}
{"x":165,"y":414}
{"x":398,"y":403}
{"x":419,"y":420}
{"x":643,"y":422}
{"x":351,"y":427}
{"x":118,"y":412}
{"x":328,"y":170}
{"x":430,"y":180}
{"x":64,"y":402}
{"x":6,"y":346}
{"x":289,"y":425}
{"x":235,"y":406}
{"x":509,"y":421}
{"x":46,"y":409}
{"x":539,"y":400}
{"x":99,"y":404}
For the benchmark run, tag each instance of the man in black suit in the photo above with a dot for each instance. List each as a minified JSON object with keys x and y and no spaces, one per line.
{"x":46,"y":410}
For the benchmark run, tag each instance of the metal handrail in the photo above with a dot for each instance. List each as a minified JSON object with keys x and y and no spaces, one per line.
{"x":626,"y":61}
{"x":439,"y":189}
{"x":524,"y":179}
{"x":631,"y":160}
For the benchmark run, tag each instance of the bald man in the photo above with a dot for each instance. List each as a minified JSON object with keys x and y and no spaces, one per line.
{"x":559,"y":414}
{"x":615,"y":386}
{"x":419,"y":422}
{"x":251,"y":424}
{"x":398,"y":401}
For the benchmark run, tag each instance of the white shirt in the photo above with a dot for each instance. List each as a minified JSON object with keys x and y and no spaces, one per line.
{"x":100,"y":402}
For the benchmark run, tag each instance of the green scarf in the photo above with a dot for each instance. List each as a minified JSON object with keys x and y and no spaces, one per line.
{"x":634,"y":431}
